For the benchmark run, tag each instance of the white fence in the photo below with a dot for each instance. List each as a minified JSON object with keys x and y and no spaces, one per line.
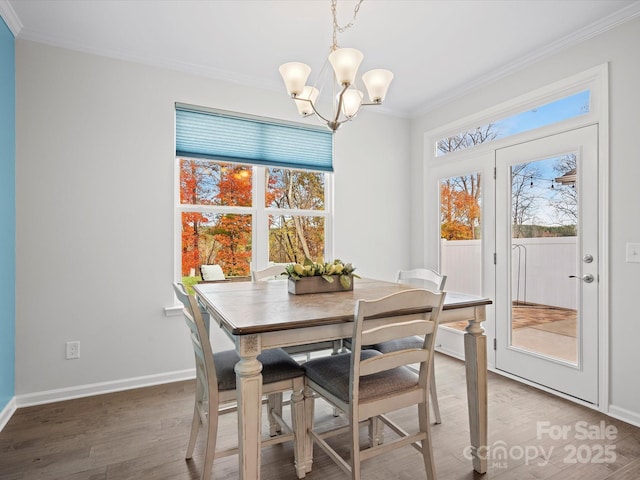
{"x":540,"y":269}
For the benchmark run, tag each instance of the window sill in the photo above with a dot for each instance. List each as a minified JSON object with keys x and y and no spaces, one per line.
{"x":173,"y":311}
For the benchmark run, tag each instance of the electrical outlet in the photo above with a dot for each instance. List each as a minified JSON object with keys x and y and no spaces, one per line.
{"x":633,"y":252}
{"x":73,"y":350}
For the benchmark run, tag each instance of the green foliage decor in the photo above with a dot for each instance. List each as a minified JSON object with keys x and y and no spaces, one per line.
{"x":320,"y":268}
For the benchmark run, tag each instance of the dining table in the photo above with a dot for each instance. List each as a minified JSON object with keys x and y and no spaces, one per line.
{"x":262,"y":315}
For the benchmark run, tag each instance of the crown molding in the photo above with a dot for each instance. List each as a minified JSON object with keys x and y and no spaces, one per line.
{"x":10,"y":18}
{"x":603,"y":25}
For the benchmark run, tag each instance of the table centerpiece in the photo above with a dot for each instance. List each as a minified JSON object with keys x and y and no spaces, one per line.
{"x":320,"y":276}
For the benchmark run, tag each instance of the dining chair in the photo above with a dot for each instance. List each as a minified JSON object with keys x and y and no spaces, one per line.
{"x":211,"y":272}
{"x":423,"y":278}
{"x":216,"y":387}
{"x":419,"y":278}
{"x":274,"y":399}
{"x":431,"y":280}
{"x":273,"y":272}
{"x":367,"y":384}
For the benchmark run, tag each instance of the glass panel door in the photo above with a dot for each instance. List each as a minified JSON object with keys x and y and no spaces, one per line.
{"x":547,"y":265}
{"x":544,"y":217}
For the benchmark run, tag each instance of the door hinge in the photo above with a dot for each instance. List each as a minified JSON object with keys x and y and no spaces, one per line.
{"x":494,"y":172}
{"x":495,"y":344}
{"x":495,"y":258}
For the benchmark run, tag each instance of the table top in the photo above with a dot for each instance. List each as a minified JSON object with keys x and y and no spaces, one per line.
{"x":257,"y":307}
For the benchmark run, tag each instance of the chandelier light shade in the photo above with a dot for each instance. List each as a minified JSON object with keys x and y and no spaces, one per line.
{"x":351,"y":102}
{"x":304,"y":101}
{"x":345,"y":63}
{"x":377,"y":83}
{"x":295,"y":75}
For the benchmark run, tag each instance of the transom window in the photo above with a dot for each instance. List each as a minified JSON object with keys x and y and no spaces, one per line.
{"x":553,"y":112}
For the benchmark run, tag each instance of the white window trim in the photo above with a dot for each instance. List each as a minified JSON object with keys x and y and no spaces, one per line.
{"x":259,"y":214}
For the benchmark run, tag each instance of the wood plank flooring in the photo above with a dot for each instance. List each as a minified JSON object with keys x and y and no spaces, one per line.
{"x":142,"y":434}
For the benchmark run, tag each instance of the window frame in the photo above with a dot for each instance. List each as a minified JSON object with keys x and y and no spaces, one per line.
{"x":591,"y":80}
{"x":259,"y":214}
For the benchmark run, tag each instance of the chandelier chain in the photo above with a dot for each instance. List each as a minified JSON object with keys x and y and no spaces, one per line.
{"x":337,"y":28}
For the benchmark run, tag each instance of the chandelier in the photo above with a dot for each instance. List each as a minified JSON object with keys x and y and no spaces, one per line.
{"x":347,"y":98}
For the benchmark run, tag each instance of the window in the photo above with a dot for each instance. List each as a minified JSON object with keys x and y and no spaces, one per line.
{"x":293,"y":199}
{"x":236,"y":209}
{"x":567,"y":107}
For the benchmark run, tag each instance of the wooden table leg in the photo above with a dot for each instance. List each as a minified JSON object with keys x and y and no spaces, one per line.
{"x":309,"y":410}
{"x":475,"y":356}
{"x":299,"y":428}
{"x":249,"y":395}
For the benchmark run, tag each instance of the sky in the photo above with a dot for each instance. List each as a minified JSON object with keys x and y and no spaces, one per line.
{"x":557,"y":111}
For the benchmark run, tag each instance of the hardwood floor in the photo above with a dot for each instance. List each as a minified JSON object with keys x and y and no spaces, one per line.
{"x":142,"y":434}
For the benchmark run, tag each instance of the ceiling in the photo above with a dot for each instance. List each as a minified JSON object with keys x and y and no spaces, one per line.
{"x":437,"y":49}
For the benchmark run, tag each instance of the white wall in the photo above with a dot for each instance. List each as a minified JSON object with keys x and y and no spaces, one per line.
{"x":372,"y":196}
{"x":617,"y":48}
{"x":94,"y":194}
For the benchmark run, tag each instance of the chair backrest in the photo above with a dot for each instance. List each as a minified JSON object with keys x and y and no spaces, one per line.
{"x":396,"y":316}
{"x":423,"y":278}
{"x":205,"y":366}
{"x":269,"y":273}
{"x":211,"y":272}
{"x":181,"y":293}
{"x":183,"y":296}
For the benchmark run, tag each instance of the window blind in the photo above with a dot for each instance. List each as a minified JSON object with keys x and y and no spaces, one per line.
{"x":218,"y":136}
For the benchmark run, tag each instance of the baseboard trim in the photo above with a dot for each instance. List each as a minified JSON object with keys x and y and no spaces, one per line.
{"x":450,"y":353}
{"x":625,"y":415}
{"x":61,"y":394}
{"x":450,"y":342}
{"x":7,"y":412}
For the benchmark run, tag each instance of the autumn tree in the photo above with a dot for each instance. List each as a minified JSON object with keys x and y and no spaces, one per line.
{"x":293,"y":237}
{"x":232,"y":232}
{"x":460,"y":196}
{"x":191,"y":186}
{"x":226,"y":238}
{"x":209,"y":238}
{"x":459,"y":212}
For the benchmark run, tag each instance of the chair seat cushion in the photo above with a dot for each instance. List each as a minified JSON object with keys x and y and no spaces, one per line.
{"x":398,"y":344}
{"x":332,"y":373}
{"x":276,"y":365}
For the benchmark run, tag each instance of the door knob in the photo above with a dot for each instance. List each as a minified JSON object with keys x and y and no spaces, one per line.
{"x":588,"y":278}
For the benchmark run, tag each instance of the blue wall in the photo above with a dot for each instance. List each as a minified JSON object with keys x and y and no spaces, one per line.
{"x":7,"y":214}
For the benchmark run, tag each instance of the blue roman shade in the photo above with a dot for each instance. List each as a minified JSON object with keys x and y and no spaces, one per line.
{"x":220,"y":136}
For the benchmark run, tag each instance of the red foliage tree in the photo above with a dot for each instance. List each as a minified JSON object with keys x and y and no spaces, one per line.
{"x":233,"y":231}
{"x":189,"y":183}
{"x":459,"y":211}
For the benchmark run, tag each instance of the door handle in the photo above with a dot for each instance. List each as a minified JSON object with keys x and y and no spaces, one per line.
{"x":588,"y":278}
